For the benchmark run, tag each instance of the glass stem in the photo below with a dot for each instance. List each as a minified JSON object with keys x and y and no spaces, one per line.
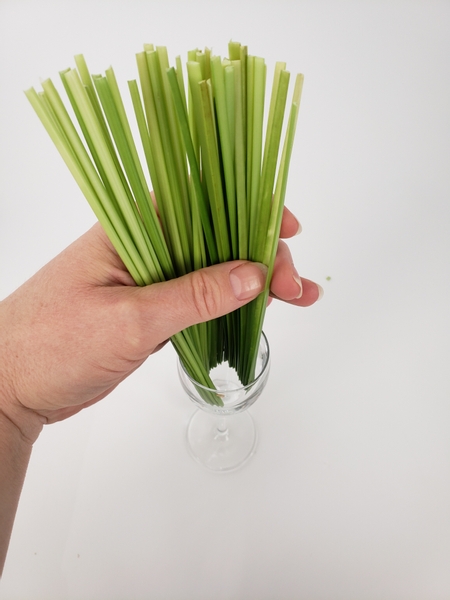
{"x":222,"y":427}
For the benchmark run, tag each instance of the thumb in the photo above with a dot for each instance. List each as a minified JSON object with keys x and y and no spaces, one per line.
{"x":199,"y":296}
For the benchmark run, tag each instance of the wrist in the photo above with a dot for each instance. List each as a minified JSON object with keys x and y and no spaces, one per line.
{"x":15,"y":451}
{"x":14,"y":415}
{"x":27,"y":424}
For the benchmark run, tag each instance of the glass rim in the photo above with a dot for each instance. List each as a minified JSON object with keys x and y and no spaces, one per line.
{"x":241,"y":387}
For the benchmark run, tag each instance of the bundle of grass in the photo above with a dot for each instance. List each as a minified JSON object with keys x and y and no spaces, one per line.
{"x":218,"y":176}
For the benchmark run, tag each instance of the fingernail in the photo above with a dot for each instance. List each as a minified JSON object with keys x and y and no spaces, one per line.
{"x":320,"y":288}
{"x":248,"y":280}
{"x":298,"y":281}
{"x":300,"y":229}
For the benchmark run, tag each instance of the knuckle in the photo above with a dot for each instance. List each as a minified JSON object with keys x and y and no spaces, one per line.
{"x":206,"y":294}
{"x":128,"y":318}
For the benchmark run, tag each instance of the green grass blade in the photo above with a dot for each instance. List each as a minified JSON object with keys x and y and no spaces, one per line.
{"x":168,"y":163}
{"x":273,"y":232}
{"x":200,"y":207}
{"x":227,"y":150}
{"x":240,"y":160}
{"x":91,"y":187}
{"x":137,"y":193}
{"x":255,"y":141}
{"x":128,"y":211}
{"x":130,"y":159}
{"x":212,"y":171}
{"x":178,"y":153}
{"x":163,"y":168}
{"x":269,"y":168}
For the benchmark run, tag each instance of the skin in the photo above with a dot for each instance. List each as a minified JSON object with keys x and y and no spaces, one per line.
{"x":80,"y":326}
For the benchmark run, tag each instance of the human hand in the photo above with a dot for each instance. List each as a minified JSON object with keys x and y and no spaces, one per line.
{"x":80,"y":326}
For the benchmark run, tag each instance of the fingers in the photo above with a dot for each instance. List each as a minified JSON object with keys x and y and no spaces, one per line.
{"x":169,"y":307}
{"x":165,"y":309}
{"x":290,"y":225}
{"x":286,"y":283}
{"x":312,"y":292}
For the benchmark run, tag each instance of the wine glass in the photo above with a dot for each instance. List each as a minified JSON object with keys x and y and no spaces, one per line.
{"x":223,"y":438}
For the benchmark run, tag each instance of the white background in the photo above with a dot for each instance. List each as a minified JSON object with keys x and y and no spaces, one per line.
{"x":348,"y":496}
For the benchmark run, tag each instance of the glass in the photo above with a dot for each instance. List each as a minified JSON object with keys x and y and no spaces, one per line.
{"x":223,"y":438}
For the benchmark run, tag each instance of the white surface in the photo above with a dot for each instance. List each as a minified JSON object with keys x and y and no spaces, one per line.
{"x":348,"y":495}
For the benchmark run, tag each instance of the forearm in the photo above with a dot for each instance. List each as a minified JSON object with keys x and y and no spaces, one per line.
{"x":15,"y":454}
{"x":19,"y":428}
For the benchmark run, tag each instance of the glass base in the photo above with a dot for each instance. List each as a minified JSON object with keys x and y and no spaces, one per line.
{"x":221,"y":443}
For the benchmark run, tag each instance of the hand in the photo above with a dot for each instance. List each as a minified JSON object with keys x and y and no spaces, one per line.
{"x":80,"y":326}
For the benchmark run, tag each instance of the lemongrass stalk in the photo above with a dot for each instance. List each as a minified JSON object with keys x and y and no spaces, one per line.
{"x":236,"y":345}
{"x":260,"y":213}
{"x":146,"y":142}
{"x":88,"y":83}
{"x":192,"y":57}
{"x":250,"y":103}
{"x":200,"y":58}
{"x":194,"y":72}
{"x":168,"y":164}
{"x":161,"y":166}
{"x":198,"y":244}
{"x":243,"y":58}
{"x":221,"y":329}
{"x":121,"y":113}
{"x":230,"y":100}
{"x":239,"y":157}
{"x":279,"y":68}
{"x":227,"y":151}
{"x":200,"y":206}
{"x":178,"y":152}
{"x":153,"y":146}
{"x":196,"y":335}
{"x":108,"y":203}
{"x":204,"y":120}
{"x":193,"y":365}
{"x":227,"y":154}
{"x":213,"y":177}
{"x":114,"y":176}
{"x":273,"y":231}
{"x":269,"y":167}
{"x":141,"y":195}
{"x":255,"y":140}
{"x":232,"y":345}
{"x":88,"y":139}
{"x":141,"y":190}
{"x":234,"y":50}
{"x":204,"y":59}
{"x":135,"y":174}
{"x":117,"y":234}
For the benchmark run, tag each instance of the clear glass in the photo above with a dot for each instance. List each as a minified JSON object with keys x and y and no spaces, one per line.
{"x":223,"y":438}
